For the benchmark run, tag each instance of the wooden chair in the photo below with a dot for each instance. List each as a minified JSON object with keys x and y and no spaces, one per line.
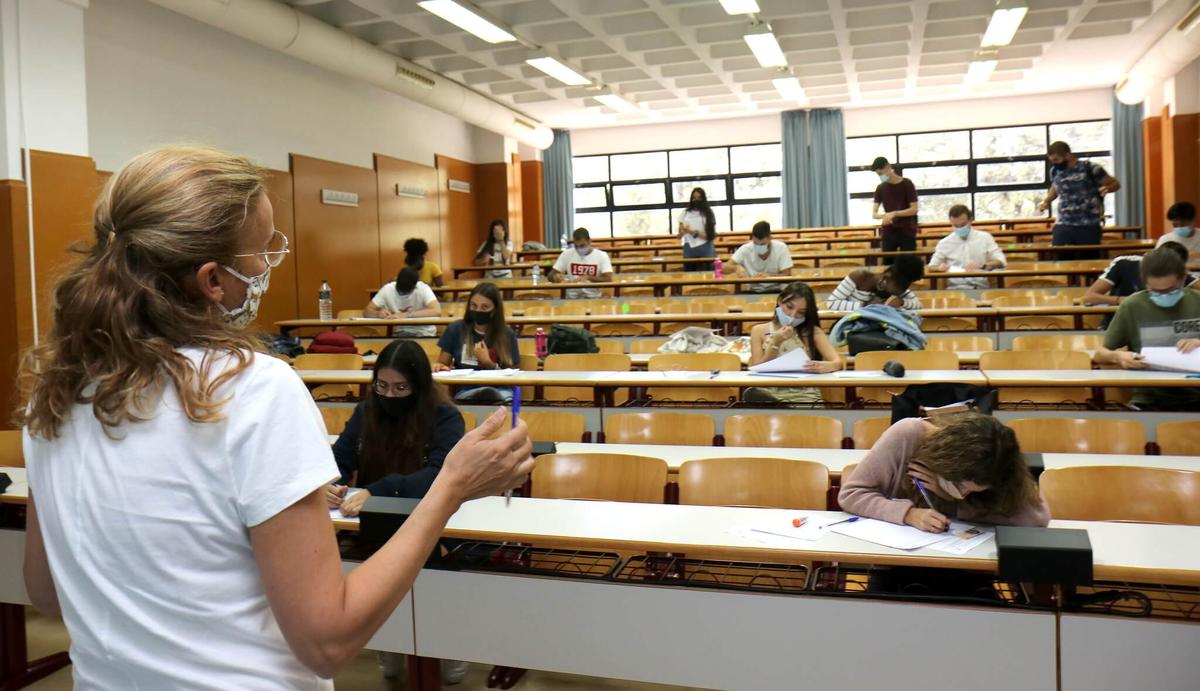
{"x":646,"y":345}
{"x":529,"y":363}
{"x":795,"y":431}
{"x":12,"y":454}
{"x":584,"y":362}
{"x":335,"y":418}
{"x":866,"y":431}
{"x":989,"y":295}
{"x":600,"y":476}
{"x":911,"y":359}
{"x":630,"y":329}
{"x":357,"y":331}
{"x":468,"y":419}
{"x":930,"y":324}
{"x":1123,"y":493}
{"x":1039,"y":359}
{"x":1091,"y":435}
{"x":1035,"y":322}
{"x":338,"y":361}
{"x":694,"y":362}
{"x":759,"y":482}
{"x":847,"y":470}
{"x":610,"y":346}
{"x":659,"y":427}
{"x":547,"y":426}
{"x":714,"y":288}
{"x":1075,"y":341}
{"x":947,"y":301}
{"x":1179,"y":438}
{"x":958,"y":344}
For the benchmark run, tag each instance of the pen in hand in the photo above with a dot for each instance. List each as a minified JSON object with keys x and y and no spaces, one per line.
{"x":516,"y":410}
{"x":924,"y":493}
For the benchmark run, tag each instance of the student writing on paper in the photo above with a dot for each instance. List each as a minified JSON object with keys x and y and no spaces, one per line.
{"x":405,"y":298}
{"x":795,"y":326}
{"x":970,"y":464}
{"x":481,"y":340}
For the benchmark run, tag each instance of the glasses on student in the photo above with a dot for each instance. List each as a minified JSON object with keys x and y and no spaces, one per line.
{"x":276,"y":250}
{"x":385,"y":389}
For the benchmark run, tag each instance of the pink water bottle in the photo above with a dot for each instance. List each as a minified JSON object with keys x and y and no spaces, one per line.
{"x":718,"y":269}
{"x":539,"y":342}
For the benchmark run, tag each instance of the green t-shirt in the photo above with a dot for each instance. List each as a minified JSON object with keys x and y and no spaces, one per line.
{"x":1139,"y":322}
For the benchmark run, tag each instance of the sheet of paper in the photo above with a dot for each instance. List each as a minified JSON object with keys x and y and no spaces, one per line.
{"x":888,"y":534}
{"x":956,"y":269}
{"x":962,"y":538}
{"x":458,"y":372}
{"x":1172,"y":359}
{"x":813,"y":528}
{"x":791,"y":361}
{"x":782,"y":375}
{"x":336,"y":514}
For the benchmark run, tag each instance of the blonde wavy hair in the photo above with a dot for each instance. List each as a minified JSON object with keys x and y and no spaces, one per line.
{"x":122,"y":313}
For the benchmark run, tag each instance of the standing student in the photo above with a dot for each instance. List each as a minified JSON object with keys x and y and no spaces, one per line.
{"x":1182,"y":216}
{"x":1165,"y":314}
{"x":888,"y":286}
{"x":796,"y":325}
{"x":582,"y":263}
{"x":967,"y":249}
{"x":1079,"y":186}
{"x":406,"y":298}
{"x":177,"y":516}
{"x":897,"y":197}
{"x":496,"y":251}
{"x":762,"y":256}
{"x":971,"y":467}
{"x":697,"y":231}
{"x":428,"y":272}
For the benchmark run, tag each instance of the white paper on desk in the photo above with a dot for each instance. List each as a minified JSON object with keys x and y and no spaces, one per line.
{"x":791,"y":361}
{"x":458,"y":372}
{"x":782,"y":375}
{"x":812,"y":528}
{"x":857,"y":374}
{"x":1171,"y":359}
{"x":962,"y":538}
{"x":888,"y":534}
{"x":955,"y":269}
{"x":336,"y":514}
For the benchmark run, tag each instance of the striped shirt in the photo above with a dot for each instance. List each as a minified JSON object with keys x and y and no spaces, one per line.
{"x":847,"y":297}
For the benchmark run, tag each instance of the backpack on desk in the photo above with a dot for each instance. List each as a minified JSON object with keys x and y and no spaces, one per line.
{"x":570,"y":339}
{"x":332,"y":342}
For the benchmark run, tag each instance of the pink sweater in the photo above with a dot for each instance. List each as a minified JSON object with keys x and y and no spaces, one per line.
{"x":877,"y":479}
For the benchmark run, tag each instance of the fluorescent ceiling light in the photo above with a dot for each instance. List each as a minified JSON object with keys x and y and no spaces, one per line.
{"x":980,"y":71}
{"x":617,"y":103}
{"x":789,"y":88}
{"x":766,"y":49}
{"x":740,"y":6}
{"x":466,"y":18}
{"x":559,"y":71}
{"x":1003,"y":25}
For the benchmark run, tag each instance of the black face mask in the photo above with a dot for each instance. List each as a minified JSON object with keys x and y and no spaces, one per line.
{"x":395,"y":406}
{"x":479,"y":318}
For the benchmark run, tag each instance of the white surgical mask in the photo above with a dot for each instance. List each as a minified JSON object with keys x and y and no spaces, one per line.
{"x":241,"y":316}
{"x":1185,"y":231}
{"x":583,"y":252}
{"x":763,"y":250}
{"x":963,"y":232}
{"x":786,"y":320}
{"x":883,"y":177}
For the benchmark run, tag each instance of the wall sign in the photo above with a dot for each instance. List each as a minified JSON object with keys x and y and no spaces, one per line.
{"x":410,"y":191}
{"x":459,"y":186}
{"x":338,"y":198}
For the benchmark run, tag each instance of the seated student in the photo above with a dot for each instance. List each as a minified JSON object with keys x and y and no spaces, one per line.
{"x":582,"y":263}
{"x":428,"y":272}
{"x":970,"y":465}
{"x":1182,"y":216}
{"x":480,"y":340}
{"x":968,"y":249}
{"x":762,"y":256}
{"x":1165,"y":315}
{"x":888,"y":286}
{"x":496,"y":251}
{"x":405,"y":298}
{"x":1123,"y":277}
{"x":795,"y":325}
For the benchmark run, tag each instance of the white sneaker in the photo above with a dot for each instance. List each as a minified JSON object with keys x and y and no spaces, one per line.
{"x":453,"y":672}
{"x":393,"y":665}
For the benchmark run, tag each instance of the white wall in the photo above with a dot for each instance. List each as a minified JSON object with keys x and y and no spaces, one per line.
{"x":154,"y":76}
{"x":975,"y":112}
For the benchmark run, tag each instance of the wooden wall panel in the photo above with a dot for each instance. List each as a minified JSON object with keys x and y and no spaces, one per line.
{"x":516,"y":218}
{"x":533,"y":200}
{"x":491,"y":198}
{"x":281,"y":299}
{"x":1153,"y":165}
{"x":461,"y":224}
{"x":335,"y":243}
{"x":1185,"y":134}
{"x":401,"y":218}
{"x":64,"y":192}
{"x":14,"y":285}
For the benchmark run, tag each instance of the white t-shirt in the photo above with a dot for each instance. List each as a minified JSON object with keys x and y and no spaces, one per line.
{"x":778,"y":261}
{"x":390,"y":299}
{"x":979,"y":248}
{"x":497,"y":259}
{"x":595,"y":264}
{"x":694,"y":219}
{"x":1191,"y":243}
{"x":148,"y":534}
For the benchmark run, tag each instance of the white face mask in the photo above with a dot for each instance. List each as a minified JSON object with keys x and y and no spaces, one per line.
{"x":240,"y":317}
{"x":763,"y":251}
{"x":884,"y":177}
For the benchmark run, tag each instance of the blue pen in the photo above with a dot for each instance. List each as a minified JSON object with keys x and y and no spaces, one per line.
{"x":516,"y":410}
{"x":921,"y":489}
{"x":827,"y":526}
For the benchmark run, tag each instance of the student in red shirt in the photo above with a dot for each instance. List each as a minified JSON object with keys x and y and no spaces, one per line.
{"x":898,"y":219}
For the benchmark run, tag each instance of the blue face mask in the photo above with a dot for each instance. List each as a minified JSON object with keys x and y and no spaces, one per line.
{"x":1167,"y":300}
{"x":786,"y":320}
{"x":1185,"y":231}
{"x":884,"y":177}
{"x":584,"y":251}
{"x":963,"y":232}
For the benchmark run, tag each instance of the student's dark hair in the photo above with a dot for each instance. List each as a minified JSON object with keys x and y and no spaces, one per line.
{"x":406,"y":280}
{"x":878,"y":164}
{"x":497,"y":330}
{"x":978,"y":448}
{"x":1181,"y":211}
{"x":397,"y":445}
{"x":1161,"y":262}
{"x":907,"y":270}
{"x":415,"y":250}
{"x":489,"y":243}
{"x":581,"y":234}
{"x":960,"y":209}
{"x":1177,"y":248}
{"x":1058,"y":149}
{"x":761,"y":230}
{"x":812,"y":318}
{"x":710,"y":219}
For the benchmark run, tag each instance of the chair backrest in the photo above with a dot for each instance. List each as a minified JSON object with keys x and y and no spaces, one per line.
{"x":546,"y":425}
{"x":947,"y":301}
{"x":847,"y":470}
{"x":807,"y":431}
{"x":11,"y":452}
{"x":349,"y":314}
{"x":583,"y":362}
{"x":468,"y":419}
{"x":603,"y":476}
{"x":610,"y":345}
{"x":659,"y":427}
{"x":1123,"y":493}
{"x":959,"y":344}
{"x":1035,"y":359}
{"x":343,"y":361}
{"x":335,"y":418}
{"x":764,"y":482}
{"x":1075,"y":341}
{"x":695,"y":362}
{"x":1032,"y":301}
{"x":911,"y":359}
{"x":646,"y":345}
{"x":527,"y":362}
{"x":867,"y":430}
{"x":1178,"y":438}
{"x":1087,"y":435}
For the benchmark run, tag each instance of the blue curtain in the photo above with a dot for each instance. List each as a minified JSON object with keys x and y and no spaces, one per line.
{"x":814,"y":169}
{"x":559,"y":189}
{"x":1128,"y":163}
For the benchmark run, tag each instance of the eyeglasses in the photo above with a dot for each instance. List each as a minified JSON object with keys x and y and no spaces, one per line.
{"x":276,"y":250}
{"x":385,"y":389}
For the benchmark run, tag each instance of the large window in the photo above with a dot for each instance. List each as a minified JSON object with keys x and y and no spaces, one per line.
{"x":643,"y":193}
{"x":1000,"y":172}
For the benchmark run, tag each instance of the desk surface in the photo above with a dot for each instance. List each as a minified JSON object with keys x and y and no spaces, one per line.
{"x":1102,"y":377}
{"x":18,"y":491}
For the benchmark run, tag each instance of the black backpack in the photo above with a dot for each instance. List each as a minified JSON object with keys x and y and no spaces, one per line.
{"x":570,"y":339}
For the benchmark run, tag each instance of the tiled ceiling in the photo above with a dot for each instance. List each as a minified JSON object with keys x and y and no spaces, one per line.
{"x":685,"y":59}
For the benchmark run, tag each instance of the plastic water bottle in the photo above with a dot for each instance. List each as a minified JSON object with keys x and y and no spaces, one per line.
{"x":539,"y":342}
{"x":325,"y":301}
{"x":718,"y":269}
{"x":536,"y":273}
{"x":565,"y":240}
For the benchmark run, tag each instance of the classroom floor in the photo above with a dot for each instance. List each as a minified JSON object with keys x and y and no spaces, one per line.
{"x":46,"y":636}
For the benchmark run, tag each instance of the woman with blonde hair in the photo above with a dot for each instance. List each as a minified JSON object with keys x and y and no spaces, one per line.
{"x":176,"y":516}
